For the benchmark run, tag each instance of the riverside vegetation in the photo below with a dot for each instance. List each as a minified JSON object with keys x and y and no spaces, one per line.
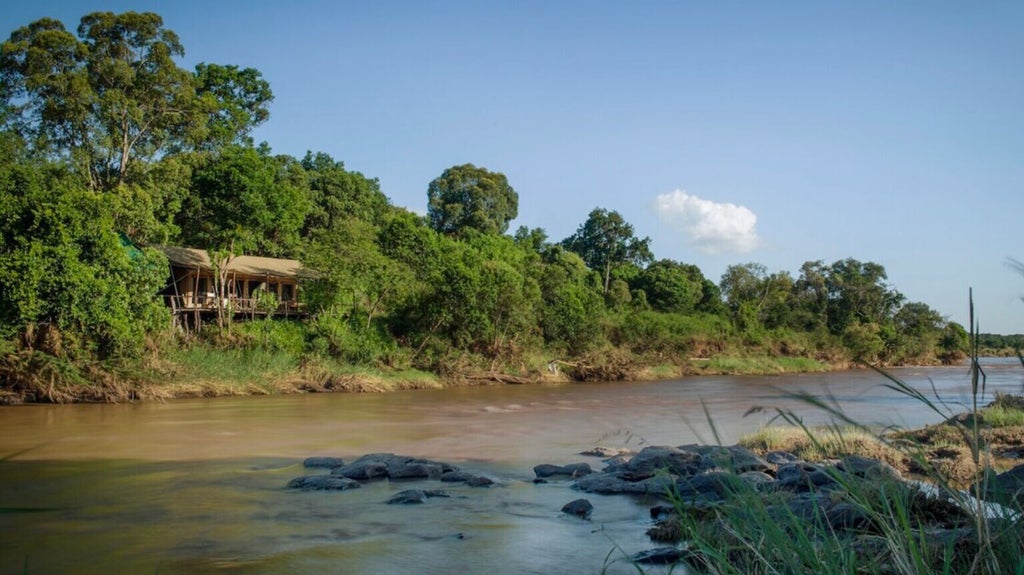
{"x":107,"y":146}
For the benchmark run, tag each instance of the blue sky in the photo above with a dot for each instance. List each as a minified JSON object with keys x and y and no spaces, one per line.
{"x":728,"y":132}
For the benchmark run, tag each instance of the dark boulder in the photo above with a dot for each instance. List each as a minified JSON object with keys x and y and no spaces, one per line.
{"x":1006,"y":488}
{"x":456,"y":477}
{"x":710,"y":487}
{"x":580,"y":508}
{"x":379,"y":465}
{"x":323,"y":483}
{"x":572,"y":470}
{"x":363,"y":470}
{"x":733,"y":458}
{"x":848,"y":516}
{"x":780,"y":457}
{"x":665,"y":459}
{"x":324,"y":462}
{"x":479,"y":481}
{"x":803,"y":477}
{"x":659,"y":556}
{"x":613,"y":483}
{"x":414,"y":496}
{"x":867,"y":468}
{"x":415,"y":470}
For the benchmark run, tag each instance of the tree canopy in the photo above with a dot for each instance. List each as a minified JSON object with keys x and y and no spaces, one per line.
{"x":468,"y":197}
{"x":606,"y":241}
{"x":114,"y":96}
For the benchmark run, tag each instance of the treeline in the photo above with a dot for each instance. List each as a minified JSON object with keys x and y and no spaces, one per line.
{"x":995,"y":344}
{"x":107,"y":144}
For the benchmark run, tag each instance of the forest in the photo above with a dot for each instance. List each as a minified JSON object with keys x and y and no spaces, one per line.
{"x":108,"y":148}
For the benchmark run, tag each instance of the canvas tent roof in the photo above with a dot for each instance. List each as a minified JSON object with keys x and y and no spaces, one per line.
{"x":247,"y":265}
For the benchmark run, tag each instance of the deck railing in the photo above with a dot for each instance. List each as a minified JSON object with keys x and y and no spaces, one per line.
{"x":236,"y":305}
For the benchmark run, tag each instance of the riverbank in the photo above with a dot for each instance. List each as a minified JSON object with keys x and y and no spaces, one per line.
{"x":37,"y":377}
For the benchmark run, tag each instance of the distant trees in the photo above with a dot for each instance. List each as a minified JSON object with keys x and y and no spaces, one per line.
{"x":467,"y":197}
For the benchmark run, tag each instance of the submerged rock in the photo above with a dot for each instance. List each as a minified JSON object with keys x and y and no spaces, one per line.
{"x":414,"y":496}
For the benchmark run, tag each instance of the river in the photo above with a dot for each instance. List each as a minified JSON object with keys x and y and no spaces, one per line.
{"x":197,"y":486}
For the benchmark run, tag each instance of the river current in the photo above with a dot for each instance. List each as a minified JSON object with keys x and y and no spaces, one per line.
{"x":198,"y":486}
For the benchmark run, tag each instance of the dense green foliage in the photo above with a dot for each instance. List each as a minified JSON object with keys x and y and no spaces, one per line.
{"x":107,"y":144}
{"x":468,"y":197}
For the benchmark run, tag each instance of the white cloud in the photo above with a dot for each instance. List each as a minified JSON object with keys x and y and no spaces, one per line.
{"x":712,"y":228}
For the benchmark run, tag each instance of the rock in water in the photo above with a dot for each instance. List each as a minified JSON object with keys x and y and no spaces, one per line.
{"x":323,"y":483}
{"x":659,"y":556}
{"x":580,"y":508}
{"x":327,"y":462}
{"x":413,"y":496}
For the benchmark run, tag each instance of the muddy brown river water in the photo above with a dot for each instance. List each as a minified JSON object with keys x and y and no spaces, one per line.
{"x":197,"y":486}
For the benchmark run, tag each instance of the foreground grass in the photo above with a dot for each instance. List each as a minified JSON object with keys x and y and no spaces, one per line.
{"x":872,"y":521}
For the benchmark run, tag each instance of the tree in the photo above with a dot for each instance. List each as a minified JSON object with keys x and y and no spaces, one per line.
{"x":69,"y":284}
{"x":337,"y":194}
{"x":114,"y":97}
{"x":572,"y":306}
{"x":353,"y":273}
{"x":671,"y":286}
{"x":811,"y":296}
{"x":234,"y":102}
{"x":470,"y":197}
{"x":248,"y":199}
{"x":858,"y":293}
{"x":606,"y":241}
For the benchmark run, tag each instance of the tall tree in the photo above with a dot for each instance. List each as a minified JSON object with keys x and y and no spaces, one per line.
{"x":858,"y":293}
{"x":235,"y":100}
{"x":606,"y":241}
{"x":246,"y":198}
{"x":470,"y":197}
{"x":114,"y":97}
{"x":337,"y":194}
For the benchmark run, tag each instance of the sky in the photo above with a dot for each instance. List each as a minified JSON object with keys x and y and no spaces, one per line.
{"x":727,"y":132}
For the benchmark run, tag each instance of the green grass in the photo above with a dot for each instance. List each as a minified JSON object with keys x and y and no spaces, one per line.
{"x":751,"y":365}
{"x":239,"y":367}
{"x":998,"y":416}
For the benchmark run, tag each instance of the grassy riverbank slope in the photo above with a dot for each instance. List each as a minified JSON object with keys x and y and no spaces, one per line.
{"x":209,"y":370}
